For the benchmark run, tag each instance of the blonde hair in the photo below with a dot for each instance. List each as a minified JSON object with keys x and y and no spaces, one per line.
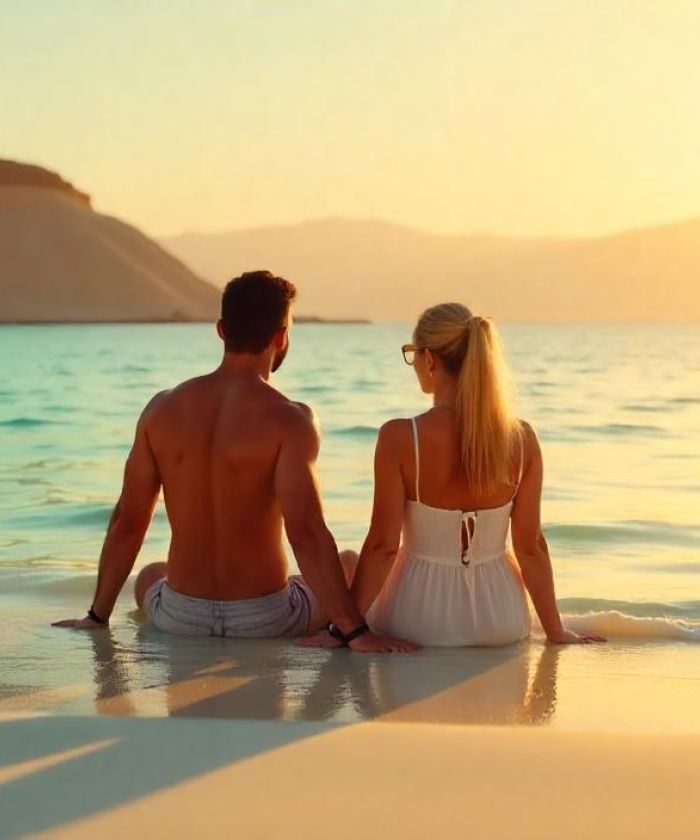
{"x":470,"y":349}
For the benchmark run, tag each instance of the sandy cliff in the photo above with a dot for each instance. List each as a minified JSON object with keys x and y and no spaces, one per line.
{"x":61,"y":261}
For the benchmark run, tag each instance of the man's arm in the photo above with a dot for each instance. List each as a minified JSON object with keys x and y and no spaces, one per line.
{"x":127,"y":526}
{"x":297,"y":492}
{"x":296,"y":489}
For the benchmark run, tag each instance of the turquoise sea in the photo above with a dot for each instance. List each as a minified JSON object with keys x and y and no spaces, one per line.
{"x":617,"y":409}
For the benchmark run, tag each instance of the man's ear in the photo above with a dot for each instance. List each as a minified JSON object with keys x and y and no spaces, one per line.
{"x":280,"y":337}
{"x":220,"y":329}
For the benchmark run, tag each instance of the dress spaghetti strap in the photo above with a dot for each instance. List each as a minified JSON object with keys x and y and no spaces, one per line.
{"x":522,"y":458}
{"x":417,"y":455}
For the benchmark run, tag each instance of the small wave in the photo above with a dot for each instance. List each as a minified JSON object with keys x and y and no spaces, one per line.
{"x":645,"y":408}
{"x":315,"y":389}
{"x":356,"y":431}
{"x":59,"y":408}
{"x":684,"y":401}
{"x":619,"y":429}
{"x":611,"y":623}
{"x":626,"y":532}
{"x":688,"y":610}
{"x":26,"y":422}
{"x":58,"y":513}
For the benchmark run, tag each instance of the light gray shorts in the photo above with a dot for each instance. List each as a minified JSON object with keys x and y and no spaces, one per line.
{"x":290,"y":612}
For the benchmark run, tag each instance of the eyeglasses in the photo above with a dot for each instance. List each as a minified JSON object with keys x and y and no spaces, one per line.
{"x":409,"y":352}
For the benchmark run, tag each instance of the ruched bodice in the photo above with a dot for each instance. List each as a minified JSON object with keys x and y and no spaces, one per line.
{"x":453,"y":582}
{"x":437,"y":534}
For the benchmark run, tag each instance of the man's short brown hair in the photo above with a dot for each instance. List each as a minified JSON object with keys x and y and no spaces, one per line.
{"x":253,"y":308}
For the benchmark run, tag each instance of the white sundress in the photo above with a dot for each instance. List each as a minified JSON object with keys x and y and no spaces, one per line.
{"x":439,"y":593}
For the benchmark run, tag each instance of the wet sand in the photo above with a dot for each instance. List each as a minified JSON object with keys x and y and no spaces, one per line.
{"x":140,"y":734}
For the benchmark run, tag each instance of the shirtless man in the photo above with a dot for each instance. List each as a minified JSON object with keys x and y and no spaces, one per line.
{"x":236,"y":461}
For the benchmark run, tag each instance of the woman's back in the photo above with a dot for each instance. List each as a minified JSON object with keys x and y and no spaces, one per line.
{"x":454,"y":582}
{"x":438,"y":472}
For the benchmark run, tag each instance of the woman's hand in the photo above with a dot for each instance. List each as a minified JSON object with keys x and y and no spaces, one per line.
{"x":322,"y":639}
{"x":568,"y":637}
{"x":366,"y":643}
{"x":373,"y":643}
{"x":79,"y":624}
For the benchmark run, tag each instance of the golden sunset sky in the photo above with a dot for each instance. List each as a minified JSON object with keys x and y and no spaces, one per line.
{"x":528,"y":117}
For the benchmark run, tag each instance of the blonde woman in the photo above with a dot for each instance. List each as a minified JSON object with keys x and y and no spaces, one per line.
{"x":436,"y":568}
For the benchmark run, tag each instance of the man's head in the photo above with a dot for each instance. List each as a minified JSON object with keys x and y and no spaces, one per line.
{"x":255,"y":315}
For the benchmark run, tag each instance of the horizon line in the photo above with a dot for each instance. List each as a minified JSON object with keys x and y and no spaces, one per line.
{"x":552,"y":237}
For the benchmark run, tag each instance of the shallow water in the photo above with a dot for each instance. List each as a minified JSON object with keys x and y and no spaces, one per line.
{"x":617,"y":410}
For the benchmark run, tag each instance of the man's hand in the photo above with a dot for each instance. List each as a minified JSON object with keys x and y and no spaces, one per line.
{"x":79,"y":624}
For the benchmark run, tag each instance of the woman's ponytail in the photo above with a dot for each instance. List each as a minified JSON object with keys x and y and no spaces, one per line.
{"x":470,"y":349}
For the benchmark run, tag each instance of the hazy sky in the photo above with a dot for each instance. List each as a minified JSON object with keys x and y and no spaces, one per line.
{"x":510,"y":116}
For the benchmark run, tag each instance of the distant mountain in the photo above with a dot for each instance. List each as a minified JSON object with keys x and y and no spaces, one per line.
{"x":61,"y":261}
{"x":374,"y":269}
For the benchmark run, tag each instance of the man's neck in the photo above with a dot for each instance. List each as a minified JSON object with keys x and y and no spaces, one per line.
{"x":246,"y":365}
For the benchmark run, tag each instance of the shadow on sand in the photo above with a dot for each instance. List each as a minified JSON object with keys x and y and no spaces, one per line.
{"x":257,"y":696}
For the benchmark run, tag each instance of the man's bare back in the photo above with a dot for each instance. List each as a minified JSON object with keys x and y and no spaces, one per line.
{"x":215,"y":441}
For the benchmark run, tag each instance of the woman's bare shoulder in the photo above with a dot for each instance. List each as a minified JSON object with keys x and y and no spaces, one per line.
{"x":395,"y":434}
{"x":530,"y":441}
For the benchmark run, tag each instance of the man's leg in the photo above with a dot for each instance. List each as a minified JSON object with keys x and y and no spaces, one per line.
{"x":148,"y":576}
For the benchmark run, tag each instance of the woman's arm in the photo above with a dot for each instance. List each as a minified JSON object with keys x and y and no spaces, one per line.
{"x":382,"y":542}
{"x":531,"y":548}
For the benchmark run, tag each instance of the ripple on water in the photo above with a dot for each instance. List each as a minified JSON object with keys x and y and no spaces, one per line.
{"x":358,"y":432}
{"x":645,"y":408}
{"x":684,"y":401}
{"x":27,"y":422}
{"x":620,"y":430}
{"x":626,"y":532}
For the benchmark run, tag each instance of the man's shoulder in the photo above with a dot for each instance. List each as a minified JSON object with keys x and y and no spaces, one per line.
{"x":296,"y":417}
{"x":184,"y":390}
{"x":156,"y":403}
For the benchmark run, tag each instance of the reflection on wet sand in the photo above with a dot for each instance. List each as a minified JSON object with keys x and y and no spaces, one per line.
{"x":160,"y":675}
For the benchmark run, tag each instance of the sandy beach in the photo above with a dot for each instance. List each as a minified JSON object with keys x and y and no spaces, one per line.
{"x":109,"y":776}
{"x":175,"y":736}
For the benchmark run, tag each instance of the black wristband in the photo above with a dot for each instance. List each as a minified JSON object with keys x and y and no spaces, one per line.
{"x":93,"y":615}
{"x":336,"y":632}
{"x":357,"y":632}
{"x":346,"y":638}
